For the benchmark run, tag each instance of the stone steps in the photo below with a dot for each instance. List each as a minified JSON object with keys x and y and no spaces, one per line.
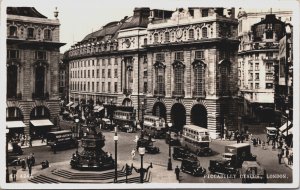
{"x":43,"y":179}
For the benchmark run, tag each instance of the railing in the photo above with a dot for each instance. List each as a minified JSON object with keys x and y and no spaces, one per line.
{"x":198,"y":94}
{"x":18,"y":96}
{"x":42,"y":96}
{"x":178,"y":93}
{"x":127,"y":91}
{"x":159,"y":93}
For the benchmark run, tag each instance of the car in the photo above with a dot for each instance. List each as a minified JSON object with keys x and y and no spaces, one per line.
{"x":174,"y":140}
{"x":205,"y":151}
{"x":148,"y":144}
{"x":252,"y":172}
{"x":180,"y":153}
{"x":192,"y":166}
{"x":223,"y":167}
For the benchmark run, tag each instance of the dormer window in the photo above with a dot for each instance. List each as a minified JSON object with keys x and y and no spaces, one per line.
{"x":204,"y":32}
{"x":204,"y":12}
{"x":191,"y":33}
{"x":30,"y":32}
{"x":12,"y":31}
{"x":155,"y":37}
{"x":47,"y":34}
{"x":167,"y":37}
{"x":40,"y":55}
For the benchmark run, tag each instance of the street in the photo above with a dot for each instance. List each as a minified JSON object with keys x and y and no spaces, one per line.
{"x":267,"y":158}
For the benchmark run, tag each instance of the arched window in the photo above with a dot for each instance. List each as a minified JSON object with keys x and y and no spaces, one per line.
{"x":39,"y":81}
{"x":160,"y":79}
{"x":13,"y":31}
{"x":199,"y":73}
{"x":178,"y":79}
{"x":204,"y":32}
{"x":167,"y":37}
{"x":191,"y":33}
{"x":47,"y":34}
{"x":145,"y":41}
{"x":30,"y":33}
{"x":155,"y":37}
{"x":12,"y":81}
{"x":224,"y":69}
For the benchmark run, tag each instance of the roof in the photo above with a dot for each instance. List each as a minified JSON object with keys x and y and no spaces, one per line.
{"x":196,"y":128}
{"x":60,"y":132}
{"x":238,"y":145}
{"x":139,"y":19}
{"x":152,"y":117}
{"x":24,"y":11}
{"x":271,"y":128}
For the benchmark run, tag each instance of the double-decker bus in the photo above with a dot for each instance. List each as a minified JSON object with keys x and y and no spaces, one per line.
{"x":125,"y":120}
{"x":196,"y":139}
{"x":154,"y":126}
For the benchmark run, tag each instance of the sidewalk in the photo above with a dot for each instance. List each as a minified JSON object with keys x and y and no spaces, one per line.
{"x":34,"y":143}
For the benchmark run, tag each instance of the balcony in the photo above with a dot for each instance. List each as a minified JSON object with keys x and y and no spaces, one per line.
{"x":127,"y":91}
{"x":178,"y":94}
{"x":40,"y":96}
{"x":18,"y":96}
{"x":197,"y":94}
{"x":159,"y":93}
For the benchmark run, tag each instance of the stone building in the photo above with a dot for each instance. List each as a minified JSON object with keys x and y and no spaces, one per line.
{"x":181,"y":64}
{"x":32,"y":71}
{"x":259,"y":34}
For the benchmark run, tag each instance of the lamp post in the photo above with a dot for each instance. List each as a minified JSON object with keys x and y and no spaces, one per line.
{"x":287,"y":125}
{"x":142,"y":120}
{"x":111,"y":112}
{"x":116,"y":154}
{"x":169,"y":160}
{"x":7,"y":172}
{"x":142,"y":170}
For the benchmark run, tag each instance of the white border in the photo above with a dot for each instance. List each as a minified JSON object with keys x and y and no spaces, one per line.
{"x":168,"y":4}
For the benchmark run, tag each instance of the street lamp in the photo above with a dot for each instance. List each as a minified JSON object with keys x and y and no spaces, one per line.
{"x":142,"y":121}
{"x":142,"y":170}
{"x":169,"y":160}
{"x":111,"y":111}
{"x":116,"y":138}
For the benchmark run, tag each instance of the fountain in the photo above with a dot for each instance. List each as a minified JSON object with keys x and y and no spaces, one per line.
{"x":92,"y":157}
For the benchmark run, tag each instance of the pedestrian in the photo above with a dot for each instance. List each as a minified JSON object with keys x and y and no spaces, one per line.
{"x":133,"y":154}
{"x":7,"y":175}
{"x":30,"y":142}
{"x":177,"y":171}
{"x":29,"y":169}
{"x":279,"y":158}
{"x":289,"y":159}
{"x":14,"y":173}
{"x":26,"y":140}
{"x":238,"y":138}
{"x":32,"y":159}
{"x":28,"y":160}
{"x":286,"y":151}
{"x":23,"y":164}
{"x":43,"y":139}
{"x":22,"y":140}
{"x":54,"y":148}
{"x":263,"y":145}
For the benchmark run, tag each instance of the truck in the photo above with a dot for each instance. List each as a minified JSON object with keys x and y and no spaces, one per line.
{"x":61,"y":139}
{"x":232,"y":159}
{"x":238,"y":153}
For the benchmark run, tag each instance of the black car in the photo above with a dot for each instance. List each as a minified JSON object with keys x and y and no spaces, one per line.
{"x":148,"y":144}
{"x":192,"y":166}
{"x":174,"y":140}
{"x":223,"y":167}
{"x":180,"y":153}
{"x":205,"y":151}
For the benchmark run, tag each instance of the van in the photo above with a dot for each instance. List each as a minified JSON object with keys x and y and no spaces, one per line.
{"x":61,"y":139}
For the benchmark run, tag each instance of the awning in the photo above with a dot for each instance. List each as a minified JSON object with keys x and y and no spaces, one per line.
{"x":69,"y":104}
{"x":290,"y":131}
{"x":98,"y":108}
{"x":14,"y":124}
{"x":41,"y":122}
{"x":74,"y":105}
{"x":283,"y":127}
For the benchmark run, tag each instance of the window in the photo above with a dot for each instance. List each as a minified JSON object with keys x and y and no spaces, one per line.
{"x":13,"y":54}
{"x":269,"y":55}
{"x":256,"y":76}
{"x":93,"y":87}
{"x":47,"y":34}
{"x":84,"y":73}
{"x":93,"y":73}
{"x":251,"y":76}
{"x":269,"y":85}
{"x":145,"y":87}
{"x":204,"y":32}
{"x":167,"y":36}
{"x":108,"y":73}
{"x":116,"y":87}
{"x":145,"y":59}
{"x":179,"y":56}
{"x":103,"y":87}
{"x":269,"y":76}
{"x":116,"y":73}
{"x":39,"y":81}
{"x":116,"y":61}
{"x":103,"y":73}
{"x":12,"y":31}
{"x":12,"y":81}
{"x":98,"y":73}
{"x":251,"y":66}
{"x":256,"y":66}
{"x":269,"y":34}
{"x":145,"y":74}
{"x":88,"y":86}
{"x":88,"y":73}
{"x":108,"y":87}
{"x":256,"y":85}
{"x":40,"y":55}
{"x":199,"y":54}
{"x":251,"y":85}
{"x":204,"y":12}
{"x":224,"y":77}
{"x":191,"y":33}
{"x":160,"y":57}
{"x":160,"y":78}
{"x":178,"y":78}
{"x":30,"y":32}
{"x":109,"y":61}
{"x":155,"y":37}
{"x":240,"y":73}
{"x":256,"y":55}
{"x":103,"y":62}
{"x":199,"y":73}
{"x":269,"y":66}
{"x":145,"y":41}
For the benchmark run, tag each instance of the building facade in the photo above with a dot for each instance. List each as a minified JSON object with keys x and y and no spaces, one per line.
{"x":180,"y":65}
{"x":259,"y":34}
{"x":32,"y":71}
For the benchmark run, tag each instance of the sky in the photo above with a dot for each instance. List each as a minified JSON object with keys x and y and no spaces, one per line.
{"x":78,"y":18}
